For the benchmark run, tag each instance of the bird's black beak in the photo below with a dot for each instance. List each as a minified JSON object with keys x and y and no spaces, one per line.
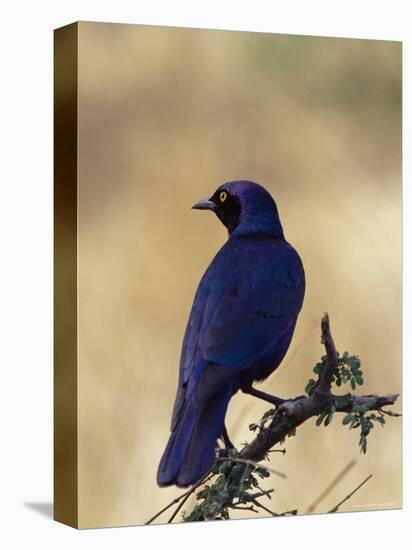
{"x":204,"y":204}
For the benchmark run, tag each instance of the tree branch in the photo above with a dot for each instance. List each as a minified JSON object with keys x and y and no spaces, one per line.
{"x":233,"y":483}
{"x":181,"y":498}
{"x":294,"y":412}
{"x":251,"y":463}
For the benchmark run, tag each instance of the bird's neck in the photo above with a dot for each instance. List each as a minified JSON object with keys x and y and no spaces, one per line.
{"x":263,"y":222}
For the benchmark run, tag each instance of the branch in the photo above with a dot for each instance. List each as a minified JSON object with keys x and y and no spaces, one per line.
{"x":252,"y":463}
{"x":260,"y":505}
{"x":238,"y":473}
{"x":325,"y":380}
{"x":183,"y":498}
{"x":294,"y":412}
{"x":182,"y":502}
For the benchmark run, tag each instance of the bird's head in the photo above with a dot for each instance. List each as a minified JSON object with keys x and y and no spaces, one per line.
{"x":244,"y":207}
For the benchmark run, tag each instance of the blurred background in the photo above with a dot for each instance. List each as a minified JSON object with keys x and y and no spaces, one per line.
{"x":165,"y":116}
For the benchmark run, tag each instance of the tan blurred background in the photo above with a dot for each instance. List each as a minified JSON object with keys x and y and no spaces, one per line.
{"x":165,"y":116}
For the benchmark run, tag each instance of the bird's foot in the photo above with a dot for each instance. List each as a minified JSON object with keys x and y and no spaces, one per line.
{"x":273,"y":399}
{"x":226,"y":439}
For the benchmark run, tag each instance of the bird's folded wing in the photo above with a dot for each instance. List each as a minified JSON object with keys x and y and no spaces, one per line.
{"x":190,"y":356}
{"x":243,"y":328}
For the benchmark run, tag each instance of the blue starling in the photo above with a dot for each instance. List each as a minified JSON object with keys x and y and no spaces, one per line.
{"x":239,"y":329}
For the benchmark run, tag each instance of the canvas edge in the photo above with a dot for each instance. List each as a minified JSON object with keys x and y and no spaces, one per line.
{"x":65,"y":477}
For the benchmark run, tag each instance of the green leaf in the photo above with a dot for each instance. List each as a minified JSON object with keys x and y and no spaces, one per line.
{"x":320,"y":418}
{"x":309,"y":386}
{"x":359,"y":378}
{"x":328,"y":419}
{"x":348,"y":418}
{"x":224,"y":467}
{"x":255,"y":482}
{"x":355,"y":423}
{"x":318,"y":368}
{"x":353,"y":383}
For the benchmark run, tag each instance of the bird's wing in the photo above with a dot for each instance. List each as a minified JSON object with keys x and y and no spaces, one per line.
{"x":190,"y":355}
{"x":216,"y":281}
{"x":255,"y":312}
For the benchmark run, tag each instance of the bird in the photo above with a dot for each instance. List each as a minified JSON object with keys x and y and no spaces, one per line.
{"x":239,"y":329}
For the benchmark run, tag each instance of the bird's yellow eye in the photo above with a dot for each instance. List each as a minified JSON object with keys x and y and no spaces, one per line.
{"x":222,"y":196}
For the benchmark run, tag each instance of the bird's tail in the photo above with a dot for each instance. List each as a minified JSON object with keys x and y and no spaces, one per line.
{"x":190,"y":451}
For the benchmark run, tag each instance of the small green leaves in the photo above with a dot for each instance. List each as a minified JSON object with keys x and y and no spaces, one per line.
{"x":233,"y":483}
{"x":254,"y":482}
{"x":348,"y":418}
{"x":348,"y":370}
{"x":359,"y":419}
{"x":310,"y":386}
{"x":381,"y":420}
{"x":326,"y":415}
{"x":328,"y":419}
{"x":319,"y":419}
{"x":318,"y":369}
{"x":224,"y":467}
{"x":262,"y":472}
{"x":358,"y":377}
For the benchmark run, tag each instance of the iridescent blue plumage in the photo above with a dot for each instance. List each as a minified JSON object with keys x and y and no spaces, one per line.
{"x":240,"y":326}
